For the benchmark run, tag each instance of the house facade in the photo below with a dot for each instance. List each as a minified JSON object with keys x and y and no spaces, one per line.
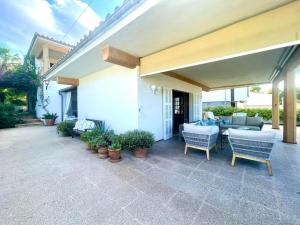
{"x":53,"y":97}
{"x":146,"y":65}
{"x":226,"y":97}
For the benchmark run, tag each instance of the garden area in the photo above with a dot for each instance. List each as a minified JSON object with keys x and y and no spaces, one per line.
{"x":19,"y":82}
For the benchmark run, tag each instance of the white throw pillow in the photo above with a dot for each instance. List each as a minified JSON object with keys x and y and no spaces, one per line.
{"x":192,"y":128}
{"x":266,"y":136}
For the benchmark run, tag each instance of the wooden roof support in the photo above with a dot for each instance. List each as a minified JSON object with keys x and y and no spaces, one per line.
{"x":68,"y":81}
{"x":269,"y":30}
{"x":187,"y":80}
{"x":119,"y":57}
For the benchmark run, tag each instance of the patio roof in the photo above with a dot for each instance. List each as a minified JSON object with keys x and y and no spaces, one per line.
{"x":138,"y":26}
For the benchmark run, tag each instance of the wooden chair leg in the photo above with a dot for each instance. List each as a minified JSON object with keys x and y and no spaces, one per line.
{"x":233,"y":160}
{"x":207,"y":154}
{"x":185,"y":149}
{"x":269,"y":167}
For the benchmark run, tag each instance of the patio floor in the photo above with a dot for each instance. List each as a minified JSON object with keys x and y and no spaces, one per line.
{"x":47,"y":179}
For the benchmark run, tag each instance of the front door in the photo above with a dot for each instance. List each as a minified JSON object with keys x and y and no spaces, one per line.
{"x":180,"y":109}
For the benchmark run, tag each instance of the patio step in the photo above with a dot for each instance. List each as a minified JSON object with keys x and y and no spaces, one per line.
{"x":30,"y":122}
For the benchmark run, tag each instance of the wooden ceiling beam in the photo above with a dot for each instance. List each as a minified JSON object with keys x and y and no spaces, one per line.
{"x":185,"y":79}
{"x":68,"y":81}
{"x":270,"y":30}
{"x":119,"y":57}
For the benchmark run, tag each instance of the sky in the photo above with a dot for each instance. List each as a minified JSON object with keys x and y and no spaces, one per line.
{"x":20,"y":19}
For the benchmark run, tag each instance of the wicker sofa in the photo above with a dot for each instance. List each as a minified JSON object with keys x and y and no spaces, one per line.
{"x":252,"y":145}
{"x":247,"y":122}
{"x":200,"y":137}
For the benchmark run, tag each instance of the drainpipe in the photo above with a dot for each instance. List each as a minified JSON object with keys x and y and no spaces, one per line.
{"x":61,"y":105}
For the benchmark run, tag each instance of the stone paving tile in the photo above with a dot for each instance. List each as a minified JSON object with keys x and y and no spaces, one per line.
{"x":289,"y":204}
{"x":209,"y":215}
{"x":65,"y":184}
{"x":121,"y":218}
{"x":205,"y":177}
{"x":251,"y":213}
{"x":227,"y":186}
{"x":144,"y":209}
{"x":225,"y":202}
{"x":166,"y":177}
{"x":195,"y":188}
{"x":259,"y":196}
{"x":154,"y":189}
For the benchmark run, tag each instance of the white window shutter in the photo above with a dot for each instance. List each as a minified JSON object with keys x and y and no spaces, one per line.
{"x":167,"y":113}
{"x":197,"y":106}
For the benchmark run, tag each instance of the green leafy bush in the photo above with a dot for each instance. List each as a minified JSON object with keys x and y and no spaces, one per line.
{"x":265,"y":113}
{"x":9,"y":116}
{"x":136,"y":139}
{"x":49,"y":116}
{"x":98,"y":137}
{"x":66,"y":127}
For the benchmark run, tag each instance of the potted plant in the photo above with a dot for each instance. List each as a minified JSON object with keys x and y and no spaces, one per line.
{"x":66,"y":127}
{"x":138,"y":142}
{"x":85,"y":137}
{"x":114,"y":152}
{"x":50,"y":118}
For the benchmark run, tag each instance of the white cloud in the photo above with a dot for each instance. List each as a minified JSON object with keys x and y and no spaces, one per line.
{"x":40,"y":13}
{"x":67,"y":9}
{"x":21,"y":19}
{"x":89,"y":19}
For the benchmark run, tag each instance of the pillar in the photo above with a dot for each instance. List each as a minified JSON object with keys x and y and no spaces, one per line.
{"x":46,"y":62}
{"x":290,"y":122}
{"x":275,"y":105}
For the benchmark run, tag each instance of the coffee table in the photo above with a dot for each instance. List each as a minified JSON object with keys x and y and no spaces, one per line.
{"x":225,"y":133}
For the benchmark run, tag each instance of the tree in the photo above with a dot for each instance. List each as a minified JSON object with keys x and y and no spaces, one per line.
{"x":255,"y":89}
{"x":22,"y":77}
{"x":7,"y":60}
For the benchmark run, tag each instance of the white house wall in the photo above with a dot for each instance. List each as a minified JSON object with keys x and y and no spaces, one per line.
{"x":110,"y":95}
{"x":54,"y":98}
{"x":151,"y":105}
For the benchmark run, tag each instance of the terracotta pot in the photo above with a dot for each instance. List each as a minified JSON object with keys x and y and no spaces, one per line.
{"x":114,"y":155}
{"x":140,"y":152}
{"x":49,"y":122}
{"x":103,"y":153}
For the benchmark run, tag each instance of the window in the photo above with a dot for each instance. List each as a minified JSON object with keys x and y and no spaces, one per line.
{"x":177,"y":106}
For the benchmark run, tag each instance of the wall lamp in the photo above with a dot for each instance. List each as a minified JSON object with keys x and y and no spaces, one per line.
{"x":47,"y":82}
{"x":155,"y":89}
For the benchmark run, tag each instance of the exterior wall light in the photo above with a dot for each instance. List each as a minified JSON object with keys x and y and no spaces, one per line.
{"x":47,"y":82}
{"x":155,"y":89}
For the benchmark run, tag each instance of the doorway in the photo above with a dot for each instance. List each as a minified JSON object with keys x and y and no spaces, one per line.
{"x":180,"y":109}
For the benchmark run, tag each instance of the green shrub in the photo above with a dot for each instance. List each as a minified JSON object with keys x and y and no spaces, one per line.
{"x":265,"y":113}
{"x":98,"y":137}
{"x":66,"y":127}
{"x":136,"y":139}
{"x":9,"y":116}
{"x":49,"y":116}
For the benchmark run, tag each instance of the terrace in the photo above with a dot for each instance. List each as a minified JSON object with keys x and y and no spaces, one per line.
{"x":43,"y":174}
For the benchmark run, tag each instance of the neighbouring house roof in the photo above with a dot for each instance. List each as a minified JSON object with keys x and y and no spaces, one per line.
{"x":37,"y":35}
{"x":258,"y":99}
{"x":119,"y":13}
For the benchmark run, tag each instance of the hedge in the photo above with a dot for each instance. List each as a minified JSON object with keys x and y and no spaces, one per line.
{"x":9,"y":116}
{"x":263,"y":112}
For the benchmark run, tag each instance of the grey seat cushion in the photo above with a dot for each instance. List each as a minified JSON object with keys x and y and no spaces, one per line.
{"x":254,"y":121}
{"x":239,"y":120}
{"x":266,"y":136}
